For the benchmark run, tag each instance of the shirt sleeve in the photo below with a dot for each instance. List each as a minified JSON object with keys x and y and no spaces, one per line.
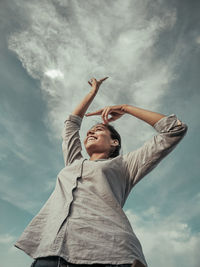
{"x":71,"y":144}
{"x":141,"y":161}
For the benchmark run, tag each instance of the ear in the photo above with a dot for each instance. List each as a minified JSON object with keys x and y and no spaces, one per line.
{"x":115,"y":142}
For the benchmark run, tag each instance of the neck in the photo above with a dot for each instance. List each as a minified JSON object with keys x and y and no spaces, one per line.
{"x":96,"y":156}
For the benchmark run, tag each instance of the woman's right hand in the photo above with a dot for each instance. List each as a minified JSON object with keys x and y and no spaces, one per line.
{"x":115,"y":111}
{"x":95,"y":84}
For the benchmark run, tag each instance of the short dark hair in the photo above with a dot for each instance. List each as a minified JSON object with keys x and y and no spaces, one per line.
{"x":114,"y":135}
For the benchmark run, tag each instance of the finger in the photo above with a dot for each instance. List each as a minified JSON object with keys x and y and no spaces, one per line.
{"x":103,"y":79}
{"x":106,"y":114}
{"x":111,"y":119}
{"x":103,"y":115}
{"x":98,"y":112}
{"x":93,"y":80}
{"x":90,"y":83}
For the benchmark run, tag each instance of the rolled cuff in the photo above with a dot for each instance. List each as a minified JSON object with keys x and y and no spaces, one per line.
{"x":74,"y":118}
{"x":166,"y":124}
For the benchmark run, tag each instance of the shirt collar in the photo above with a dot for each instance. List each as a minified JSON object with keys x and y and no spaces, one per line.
{"x":99,"y":159}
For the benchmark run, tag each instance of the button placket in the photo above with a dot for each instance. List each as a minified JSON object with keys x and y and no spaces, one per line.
{"x":68,"y":205}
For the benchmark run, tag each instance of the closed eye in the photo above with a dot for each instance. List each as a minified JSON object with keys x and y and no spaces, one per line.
{"x":97,"y":129}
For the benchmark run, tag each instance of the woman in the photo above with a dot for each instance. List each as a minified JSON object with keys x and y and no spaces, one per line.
{"x":83,"y":223}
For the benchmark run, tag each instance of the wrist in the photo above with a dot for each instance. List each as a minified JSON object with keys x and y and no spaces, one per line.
{"x":125,"y":107}
{"x":93,"y":91}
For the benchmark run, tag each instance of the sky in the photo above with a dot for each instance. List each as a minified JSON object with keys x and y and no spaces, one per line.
{"x":150,"y":52}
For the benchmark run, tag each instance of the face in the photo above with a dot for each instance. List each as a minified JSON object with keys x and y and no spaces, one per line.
{"x":98,"y":140}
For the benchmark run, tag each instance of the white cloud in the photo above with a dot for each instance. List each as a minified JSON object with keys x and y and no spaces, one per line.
{"x":166,"y":241}
{"x":6,"y":238}
{"x":198,"y":40}
{"x":119,"y":40}
{"x":107,"y":43}
{"x":10,"y":255}
{"x":18,"y":198}
{"x":15,"y":140}
{"x":50,"y":185}
{"x":63,"y":53}
{"x":54,"y":73}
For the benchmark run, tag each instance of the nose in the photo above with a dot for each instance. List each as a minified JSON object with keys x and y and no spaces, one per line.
{"x":91,"y":132}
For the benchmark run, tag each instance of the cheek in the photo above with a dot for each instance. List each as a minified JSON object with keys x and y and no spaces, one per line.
{"x":104,"y":139}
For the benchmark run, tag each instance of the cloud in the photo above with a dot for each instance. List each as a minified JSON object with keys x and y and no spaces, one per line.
{"x":65,"y":43}
{"x":198,"y":40}
{"x":6,"y":238}
{"x":54,"y":74}
{"x":81,"y":42}
{"x":18,"y":197}
{"x":10,"y":255}
{"x":166,"y":241}
{"x":50,"y":185}
{"x":17,"y":161}
{"x":15,"y":138}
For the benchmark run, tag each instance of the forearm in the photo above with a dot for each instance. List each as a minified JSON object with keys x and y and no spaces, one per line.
{"x":82,"y":107}
{"x":148,"y":116}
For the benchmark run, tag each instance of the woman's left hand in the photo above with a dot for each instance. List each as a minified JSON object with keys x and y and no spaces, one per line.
{"x":96,"y":83}
{"x":115,"y":111}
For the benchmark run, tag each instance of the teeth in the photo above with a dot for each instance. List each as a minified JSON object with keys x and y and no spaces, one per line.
{"x":91,"y":138}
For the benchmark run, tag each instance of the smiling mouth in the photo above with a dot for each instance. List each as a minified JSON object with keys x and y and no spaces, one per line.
{"x":91,"y":139}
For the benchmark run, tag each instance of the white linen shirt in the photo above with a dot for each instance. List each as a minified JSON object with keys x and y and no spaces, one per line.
{"x":83,"y":219}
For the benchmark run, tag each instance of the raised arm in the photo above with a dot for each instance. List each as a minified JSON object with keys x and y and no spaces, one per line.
{"x":87,"y":100}
{"x":141,"y":161}
{"x":71,"y":144}
{"x":117,"y":111}
{"x":146,"y":115}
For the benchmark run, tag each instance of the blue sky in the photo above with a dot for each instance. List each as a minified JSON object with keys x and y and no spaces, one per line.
{"x":150,"y":51}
